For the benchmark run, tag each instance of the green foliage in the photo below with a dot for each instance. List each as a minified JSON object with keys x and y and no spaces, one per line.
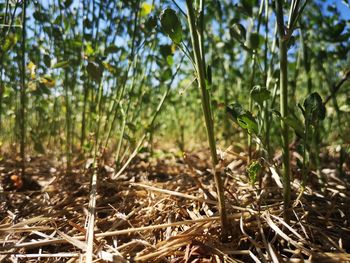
{"x":120,"y":45}
{"x":295,"y":124}
{"x":171,"y":25}
{"x":47,"y":60}
{"x":248,"y":122}
{"x":61,"y":64}
{"x":41,"y":17}
{"x":238,"y":32}
{"x":112,"y":49}
{"x":10,"y":41}
{"x":243,"y":118}
{"x":95,"y":70}
{"x":151,"y":23}
{"x":315,"y":111}
{"x":254,"y":169}
{"x":234,"y":111}
{"x":260,"y":94}
{"x":253,"y":41}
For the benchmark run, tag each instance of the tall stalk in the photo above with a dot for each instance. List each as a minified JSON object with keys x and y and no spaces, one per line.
{"x":23,"y":91}
{"x":266,"y":103}
{"x":252,"y":79}
{"x":68,"y":123}
{"x":284,"y":107}
{"x":85,"y":84}
{"x":201,"y":80}
{"x":67,"y":83}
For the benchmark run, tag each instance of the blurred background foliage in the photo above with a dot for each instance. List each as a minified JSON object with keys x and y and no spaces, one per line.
{"x":107,"y":63}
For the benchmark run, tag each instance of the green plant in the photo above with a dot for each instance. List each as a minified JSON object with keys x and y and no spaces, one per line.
{"x":172,"y":27}
{"x":254,"y":170}
{"x":283,"y":61}
{"x":196,"y":31}
{"x":314,"y":112}
{"x":23,"y":117}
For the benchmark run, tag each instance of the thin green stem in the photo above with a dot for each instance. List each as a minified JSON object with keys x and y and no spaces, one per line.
{"x":252,"y":80}
{"x":284,"y":107}
{"x":304,"y":168}
{"x":266,"y":104}
{"x":23,"y":91}
{"x":200,"y":71}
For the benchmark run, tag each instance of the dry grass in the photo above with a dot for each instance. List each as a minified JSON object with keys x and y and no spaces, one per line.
{"x":165,"y":211}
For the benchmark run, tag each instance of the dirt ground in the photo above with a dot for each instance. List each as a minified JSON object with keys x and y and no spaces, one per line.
{"x":164,"y":210}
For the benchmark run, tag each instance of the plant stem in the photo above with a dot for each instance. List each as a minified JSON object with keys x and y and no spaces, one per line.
{"x":306,"y":143}
{"x":85,"y":86}
{"x":251,"y":81}
{"x":23,"y":90}
{"x":266,"y":104}
{"x":200,"y":70}
{"x":68,"y":123}
{"x":284,"y":107}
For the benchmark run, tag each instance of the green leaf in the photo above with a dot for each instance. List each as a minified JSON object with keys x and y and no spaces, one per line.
{"x":260,"y":94}
{"x":61,"y":64}
{"x":234,"y":111}
{"x":87,"y":23}
{"x":336,"y":30}
{"x":111,"y":68}
{"x":171,"y":25}
{"x":41,"y":17}
{"x":111,"y":49}
{"x":253,"y":41}
{"x":293,"y":122}
{"x":165,"y":50}
{"x":151,"y":23}
{"x":164,"y":74}
{"x":170,"y":60}
{"x":253,"y":171}
{"x":315,"y":111}
{"x":56,"y":32}
{"x":243,"y":118}
{"x":47,"y":60}
{"x":246,"y":7}
{"x":67,"y":3}
{"x":47,"y":81}
{"x":94,"y":70}
{"x":238,"y":32}
{"x":10,"y":41}
{"x":248,"y":122}
{"x":345,"y":108}
{"x":89,"y":51}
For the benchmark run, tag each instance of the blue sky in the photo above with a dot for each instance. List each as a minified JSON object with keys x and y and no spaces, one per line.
{"x":344,"y":9}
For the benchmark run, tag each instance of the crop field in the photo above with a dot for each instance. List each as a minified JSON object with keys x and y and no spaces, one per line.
{"x":175,"y":131}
